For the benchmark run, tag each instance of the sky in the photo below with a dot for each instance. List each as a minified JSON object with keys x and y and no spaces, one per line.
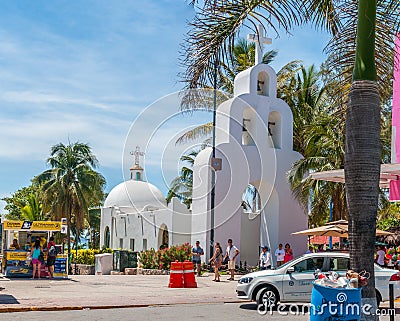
{"x":102,"y":72}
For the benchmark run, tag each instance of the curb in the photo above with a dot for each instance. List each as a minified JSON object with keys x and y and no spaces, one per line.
{"x":103,"y":307}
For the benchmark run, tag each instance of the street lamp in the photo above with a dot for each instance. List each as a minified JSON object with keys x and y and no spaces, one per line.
{"x":213,"y":157}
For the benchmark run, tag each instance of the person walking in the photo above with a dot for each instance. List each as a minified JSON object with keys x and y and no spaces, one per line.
{"x":51,"y":256}
{"x":380,"y":256}
{"x":216,"y":260}
{"x":288,"y":253}
{"x":265,"y":258}
{"x":197,"y":252}
{"x":280,"y":255}
{"x":35,"y":253}
{"x":231,"y":253}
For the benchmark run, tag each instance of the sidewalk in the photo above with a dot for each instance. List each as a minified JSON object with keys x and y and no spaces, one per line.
{"x":111,"y":291}
{"x":108,"y":291}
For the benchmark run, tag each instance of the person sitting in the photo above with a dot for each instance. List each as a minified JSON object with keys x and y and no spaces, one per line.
{"x":15,"y":245}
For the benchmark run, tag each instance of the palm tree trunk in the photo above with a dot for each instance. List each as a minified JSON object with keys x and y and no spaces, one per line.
{"x":362,"y":171}
{"x":69,"y":234}
{"x":363,"y":152}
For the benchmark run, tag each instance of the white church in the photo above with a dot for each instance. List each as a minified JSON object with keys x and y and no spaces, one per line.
{"x":135,"y":215}
{"x":253,"y":146}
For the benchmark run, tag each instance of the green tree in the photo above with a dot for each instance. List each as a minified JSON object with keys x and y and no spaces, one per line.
{"x":71,"y":186}
{"x":363,"y":150}
{"x":182,"y":185}
{"x":33,"y":210}
{"x":26,"y":197}
{"x":94,"y":227}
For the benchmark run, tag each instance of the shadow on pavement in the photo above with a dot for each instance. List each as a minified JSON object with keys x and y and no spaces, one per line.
{"x":8,"y":299}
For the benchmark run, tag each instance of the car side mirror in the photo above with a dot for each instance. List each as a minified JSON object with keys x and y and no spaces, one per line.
{"x":290,"y":269}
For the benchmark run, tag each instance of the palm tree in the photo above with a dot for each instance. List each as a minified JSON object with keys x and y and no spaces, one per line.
{"x":182,"y":185}
{"x":218,"y":22}
{"x":33,"y":210}
{"x":363,"y":150}
{"x":71,"y":185}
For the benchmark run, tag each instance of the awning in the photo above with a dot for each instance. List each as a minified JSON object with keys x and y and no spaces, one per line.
{"x":336,"y":228}
{"x":389,"y":172}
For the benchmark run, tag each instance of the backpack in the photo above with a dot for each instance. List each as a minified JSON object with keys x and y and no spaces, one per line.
{"x":52,"y":251}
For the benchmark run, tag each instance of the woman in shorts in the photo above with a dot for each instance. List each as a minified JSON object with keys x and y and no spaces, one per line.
{"x":35,"y":253}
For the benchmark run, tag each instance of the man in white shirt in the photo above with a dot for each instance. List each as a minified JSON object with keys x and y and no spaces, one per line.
{"x":265,"y":258}
{"x":380,"y":256}
{"x":280,"y":255}
{"x":231,"y":252}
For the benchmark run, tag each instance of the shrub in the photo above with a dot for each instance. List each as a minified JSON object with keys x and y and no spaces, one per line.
{"x":161,"y":259}
{"x":86,"y":256}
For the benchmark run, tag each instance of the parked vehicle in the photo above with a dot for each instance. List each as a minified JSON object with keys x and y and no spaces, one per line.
{"x":292,"y":282}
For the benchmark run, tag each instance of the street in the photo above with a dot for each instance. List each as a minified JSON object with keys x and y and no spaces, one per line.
{"x":209,"y":312}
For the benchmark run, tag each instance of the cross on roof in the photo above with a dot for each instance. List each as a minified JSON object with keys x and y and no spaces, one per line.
{"x":259,"y":39}
{"x":137,"y":153}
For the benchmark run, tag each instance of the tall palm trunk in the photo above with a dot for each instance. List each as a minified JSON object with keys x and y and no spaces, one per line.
{"x":363,"y":152}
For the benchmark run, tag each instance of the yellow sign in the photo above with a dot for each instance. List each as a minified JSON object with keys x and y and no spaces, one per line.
{"x":13,"y":225}
{"x":45,"y":226}
{"x":16,"y":256}
{"x":32,"y":226}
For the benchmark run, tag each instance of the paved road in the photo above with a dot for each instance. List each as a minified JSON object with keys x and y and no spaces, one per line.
{"x":209,"y":312}
{"x":110,"y":290}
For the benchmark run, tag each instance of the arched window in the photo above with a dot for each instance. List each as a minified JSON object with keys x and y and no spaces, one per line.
{"x":263,"y":84}
{"x":274,"y":130}
{"x":138,"y":176}
{"x":248,"y":126}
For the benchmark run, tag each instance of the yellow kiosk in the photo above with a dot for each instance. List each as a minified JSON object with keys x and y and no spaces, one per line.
{"x":18,"y":238}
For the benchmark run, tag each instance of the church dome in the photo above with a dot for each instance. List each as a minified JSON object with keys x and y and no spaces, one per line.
{"x":135,"y":194}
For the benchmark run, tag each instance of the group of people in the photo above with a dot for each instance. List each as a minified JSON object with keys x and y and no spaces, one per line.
{"x":219,"y":257}
{"x":388,"y":257}
{"x":228,"y":256}
{"x":36,"y":251}
{"x":282,"y":256}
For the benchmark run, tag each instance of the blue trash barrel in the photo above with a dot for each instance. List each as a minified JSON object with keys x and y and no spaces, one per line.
{"x":335,"y":304}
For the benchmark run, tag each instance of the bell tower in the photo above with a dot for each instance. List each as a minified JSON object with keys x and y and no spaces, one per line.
{"x":254,"y":139}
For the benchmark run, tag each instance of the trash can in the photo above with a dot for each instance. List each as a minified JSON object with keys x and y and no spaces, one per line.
{"x":335,"y":304}
{"x":124,"y":259}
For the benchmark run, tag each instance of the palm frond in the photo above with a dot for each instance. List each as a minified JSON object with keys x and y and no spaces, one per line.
{"x":215,"y":27}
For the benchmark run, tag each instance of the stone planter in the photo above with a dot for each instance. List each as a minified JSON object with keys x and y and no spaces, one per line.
{"x":154,"y":272}
{"x":116,"y":273}
{"x":83,"y":269}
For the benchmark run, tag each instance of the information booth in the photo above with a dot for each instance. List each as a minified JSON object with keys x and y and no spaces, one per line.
{"x":19,"y":236}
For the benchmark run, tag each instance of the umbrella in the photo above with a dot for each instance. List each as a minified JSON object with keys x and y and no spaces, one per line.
{"x":337,"y":228}
{"x":325,"y":230}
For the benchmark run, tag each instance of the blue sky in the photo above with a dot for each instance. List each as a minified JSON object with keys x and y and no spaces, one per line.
{"x":84,"y":71}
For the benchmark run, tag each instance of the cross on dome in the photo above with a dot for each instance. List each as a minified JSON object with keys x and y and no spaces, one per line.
{"x":259,"y":39}
{"x":137,"y":153}
{"x":136,"y":170}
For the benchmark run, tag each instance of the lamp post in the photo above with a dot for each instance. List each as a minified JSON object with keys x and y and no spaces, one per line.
{"x":213,"y":157}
